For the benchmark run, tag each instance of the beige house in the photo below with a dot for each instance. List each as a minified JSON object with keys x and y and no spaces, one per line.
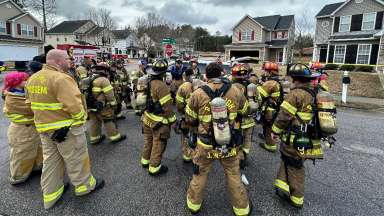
{"x":269,"y":38}
{"x":21,"y":35}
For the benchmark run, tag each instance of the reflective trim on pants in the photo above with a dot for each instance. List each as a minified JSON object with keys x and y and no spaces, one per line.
{"x":50,"y":199}
{"x":144,"y":161}
{"x":193,"y":207}
{"x":154,"y":170}
{"x":297,"y":200}
{"x":282,"y":185}
{"x":82,"y":189}
{"x":241,"y":211}
{"x":272,"y":147}
{"x":116,"y":137}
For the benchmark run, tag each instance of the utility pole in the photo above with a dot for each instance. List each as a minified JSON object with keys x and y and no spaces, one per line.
{"x":44,"y":18}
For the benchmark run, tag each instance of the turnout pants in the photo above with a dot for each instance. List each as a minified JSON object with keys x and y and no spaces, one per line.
{"x":291,"y":175}
{"x":72,"y":155}
{"x":246,"y":148}
{"x":238,"y":194}
{"x":97,"y":119}
{"x":270,"y":144}
{"x":26,"y":152}
{"x":187,"y":151}
{"x":155,"y":142}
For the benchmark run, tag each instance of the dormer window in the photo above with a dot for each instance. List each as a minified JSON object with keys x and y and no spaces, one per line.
{"x":368,"y":21}
{"x":345,"y":23}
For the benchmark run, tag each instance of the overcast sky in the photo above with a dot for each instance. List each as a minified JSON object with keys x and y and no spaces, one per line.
{"x":215,"y":15}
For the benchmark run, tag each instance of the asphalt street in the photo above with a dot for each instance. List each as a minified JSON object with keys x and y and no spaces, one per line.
{"x":347,"y":182}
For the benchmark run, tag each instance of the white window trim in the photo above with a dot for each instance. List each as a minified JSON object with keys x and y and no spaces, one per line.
{"x":5,"y":26}
{"x":350,"y":21}
{"x":374,"y":21}
{"x":369,"y":54}
{"x":334,"y":53}
{"x":248,"y":33}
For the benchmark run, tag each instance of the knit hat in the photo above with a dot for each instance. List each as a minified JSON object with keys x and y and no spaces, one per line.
{"x":14,"y":79}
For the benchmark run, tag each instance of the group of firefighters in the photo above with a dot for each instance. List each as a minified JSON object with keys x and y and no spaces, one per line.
{"x":217,"y":116}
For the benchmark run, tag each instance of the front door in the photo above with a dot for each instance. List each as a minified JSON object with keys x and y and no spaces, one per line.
{"x":280,"y":56}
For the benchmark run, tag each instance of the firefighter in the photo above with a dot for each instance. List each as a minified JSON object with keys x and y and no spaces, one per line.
{"x":196,"y":71}
{"x":116,"y":83}
{"x":157,"y":119}
{"x":270,"y":95}
{"x":59,"y":117}
{"x":240,"y":78}
{"x":124,"y":78}
{"x":200,"y":113}
{"x":296,"y":111}
{"x":322,"y":81}
{"x":24,"y":141}
{"x":177,"y":71}
{"x":83,"y":71}
{"x":182,"y":97}
{"x":102,"y":109}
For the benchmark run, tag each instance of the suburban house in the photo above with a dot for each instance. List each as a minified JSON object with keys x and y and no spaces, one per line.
{"x":126,"y":44}
{"x":21,"y":34}
{"x":350,"y":32}
{"x":80,"y":32}
{"x":270,"y":38}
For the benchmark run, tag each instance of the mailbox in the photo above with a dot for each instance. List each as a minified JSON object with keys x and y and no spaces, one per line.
{"x":346,"y":78}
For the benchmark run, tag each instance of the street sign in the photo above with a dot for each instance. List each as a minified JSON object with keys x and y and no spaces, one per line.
{"x":168,"y":41}
{"x":168,"y":50}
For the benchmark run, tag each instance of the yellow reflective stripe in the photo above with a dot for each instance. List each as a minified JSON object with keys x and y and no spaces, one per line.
{"x":270,"y":109}
{"x":82,"y":76}
{"x":17,"y":118}
{"x":305,"y":116}
{"x":53,"y":196}
{"x":275,"y":94}
{"x":205,"y":118}
{"x":144,"y":161}
{"x":245,"y":107}
{"x":115,"y":137}
{"x":241,"y":211}
{"x":282,"y":185}
{"x":58,"y":124}
{"x":290,"y":108}
{"x":272,"y":147}
{"x":193,"y":207}
{"x":96,"y":89}
{"x":262,"y":92}
{"x":79,"y":115}
{"x":83,"y":188}
{"x":190,"y":112}
{"x":199,"y":142}
{"x":172,"y":119}
{"x":186,"y":158}
{"x":297,"y":200}
{"x":154,"y":117}
{"x":112,"y":103}
{"x":107,"y":89}
{"x":165,"y":99}
{"x":248,"y":125}
{"x":276,"y":129}
{"x":46,"y":106}
{"x":94,"y":138}
{"x":154,"y":169}
{"x":245,"y":150}
{"x":180,"y":99}
{"x":232,"y":116}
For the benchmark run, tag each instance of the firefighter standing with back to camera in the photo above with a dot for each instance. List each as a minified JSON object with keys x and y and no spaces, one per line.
{"x":240,"y":79}
{"x":307,"y":115}
{"x":177,"y":71}
{"x":59,"y":117}
{"x":157,"y":119}
{"x":271,"y":94}
{"x":216,"y":109}
{"x":101,"y":103}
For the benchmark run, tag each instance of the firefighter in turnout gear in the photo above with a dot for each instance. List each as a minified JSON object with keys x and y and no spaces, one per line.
{"x":102,"y":105}
{"x":24,"y":141}
{"x":59,"y":117}
{"x":157,"y":119}
{"x":83,"y":71}
{"x":294,"y":125}
{"x":270,"y":97}
{"x":116,"y":83}
{"x":240,"y":80}
{"x":124,"y":79}
{"x":182,"y":96}
{"x":216,"y":109}
{"x":177,"y":71}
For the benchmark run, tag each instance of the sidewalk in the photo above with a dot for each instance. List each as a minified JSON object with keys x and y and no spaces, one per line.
{"x":361,"y":102}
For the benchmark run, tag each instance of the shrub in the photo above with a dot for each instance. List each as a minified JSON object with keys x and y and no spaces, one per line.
{"x":331,"y":67}
{"x":347,"y":67}
{"x":365,"y":68}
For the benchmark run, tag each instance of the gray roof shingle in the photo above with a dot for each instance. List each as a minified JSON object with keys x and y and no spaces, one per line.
{"x":121,"y":34}
{"x":67,"y":26}
{"x":275,"y":22}
{"x":329,"y":9}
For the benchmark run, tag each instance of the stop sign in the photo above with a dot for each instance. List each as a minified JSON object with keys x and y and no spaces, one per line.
{"x":168,"y":49}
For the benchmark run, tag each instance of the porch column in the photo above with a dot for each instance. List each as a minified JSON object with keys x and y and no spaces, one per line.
{"x":315,"y":57}
{"x":284,"y":56}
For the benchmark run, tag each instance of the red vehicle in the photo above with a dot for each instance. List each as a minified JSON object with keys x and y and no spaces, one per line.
{"x":80,"y":51}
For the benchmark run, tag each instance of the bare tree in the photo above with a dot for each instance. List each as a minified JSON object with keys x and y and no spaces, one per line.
{"x":45,"y":9}
{"x":105,"y":24}
{"x":304,"y":32}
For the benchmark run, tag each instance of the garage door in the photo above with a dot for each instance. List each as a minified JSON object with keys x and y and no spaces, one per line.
{"x":238,"y":54}
{"x":17,"y":53}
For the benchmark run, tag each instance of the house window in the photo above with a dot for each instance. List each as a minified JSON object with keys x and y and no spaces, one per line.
{"x":339,"y":54}
{"x":57,"y":39}
{"x":345,"y":23}
{"x":30,"y":30}
{"x":65,"y":39}
{"x":116,"y":51}
{"x":2,"y":26}
{"x":369,"y":21}
{"x":24,"y":29}
{"x":363,"y":54}
{"x":246,"y":35}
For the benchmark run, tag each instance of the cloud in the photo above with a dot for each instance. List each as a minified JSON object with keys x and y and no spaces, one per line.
{"x":181,"y":12}
{"x":72,"y":8}
{"x":138,"y":4}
